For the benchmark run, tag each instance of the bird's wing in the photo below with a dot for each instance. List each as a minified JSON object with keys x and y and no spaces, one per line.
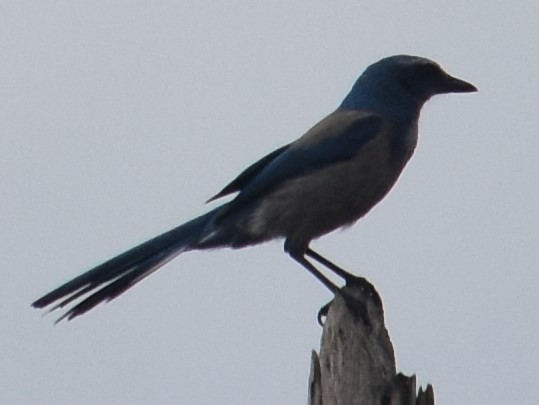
{"x":336,"y":138}
{"x":248,"y":174}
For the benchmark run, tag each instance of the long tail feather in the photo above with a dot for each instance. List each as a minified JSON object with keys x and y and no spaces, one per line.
{"x":112,"y":278}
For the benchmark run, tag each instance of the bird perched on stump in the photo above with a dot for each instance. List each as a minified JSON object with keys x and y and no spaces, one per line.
{"x":326,"y":179}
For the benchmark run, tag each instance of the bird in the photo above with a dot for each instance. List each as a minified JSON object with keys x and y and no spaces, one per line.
{"x":325,"y":180}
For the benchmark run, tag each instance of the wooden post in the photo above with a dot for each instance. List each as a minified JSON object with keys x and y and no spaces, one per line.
{"x":356,"y":364}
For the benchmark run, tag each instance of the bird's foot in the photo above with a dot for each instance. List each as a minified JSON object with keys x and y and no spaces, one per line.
{"x":358,"y":309}
{"x":356,"y":304}
{"x":365,"y":287}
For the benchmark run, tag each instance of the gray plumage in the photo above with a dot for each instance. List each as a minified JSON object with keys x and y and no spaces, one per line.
{"x":328,"y":178}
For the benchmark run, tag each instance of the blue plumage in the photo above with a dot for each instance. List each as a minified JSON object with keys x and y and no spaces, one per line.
{"x":328,"y":178}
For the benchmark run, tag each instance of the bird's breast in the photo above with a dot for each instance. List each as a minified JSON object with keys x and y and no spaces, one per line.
{"x":309,"y":206}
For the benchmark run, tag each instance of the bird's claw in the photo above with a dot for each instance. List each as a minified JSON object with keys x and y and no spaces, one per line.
{"x":322,"y":313}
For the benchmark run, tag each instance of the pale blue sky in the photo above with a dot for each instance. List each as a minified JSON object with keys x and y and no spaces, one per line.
{"x":119,"y":119}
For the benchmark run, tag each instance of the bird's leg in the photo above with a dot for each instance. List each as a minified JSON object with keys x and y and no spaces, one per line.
{"x":350,"y":279}
{"x":358,"y":307}
{"x":355,"y":305}
{"x":300,"y":258}
{"x":333,"y":267}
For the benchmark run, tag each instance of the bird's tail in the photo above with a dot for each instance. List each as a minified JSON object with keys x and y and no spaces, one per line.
{"x":112,"y":278}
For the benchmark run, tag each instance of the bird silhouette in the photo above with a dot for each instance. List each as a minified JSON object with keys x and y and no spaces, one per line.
{"x":326,"y":179}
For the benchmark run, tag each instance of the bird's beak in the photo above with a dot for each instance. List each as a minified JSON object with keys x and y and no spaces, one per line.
{"x":454,"y":85}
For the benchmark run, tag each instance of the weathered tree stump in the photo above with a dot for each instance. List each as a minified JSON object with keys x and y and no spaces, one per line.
{"x":356,"y":364}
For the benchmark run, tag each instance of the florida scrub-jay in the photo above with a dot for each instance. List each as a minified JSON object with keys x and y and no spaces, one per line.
{"x":327,"y":179}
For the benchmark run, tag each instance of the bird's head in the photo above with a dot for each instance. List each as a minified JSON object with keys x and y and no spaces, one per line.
{"x":400,"y":85}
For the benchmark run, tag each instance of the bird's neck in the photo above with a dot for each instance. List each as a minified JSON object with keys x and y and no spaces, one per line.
{"x":383,"y":100}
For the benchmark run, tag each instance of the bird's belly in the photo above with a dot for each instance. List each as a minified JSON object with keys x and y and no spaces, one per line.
{"x":313,"y":205}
